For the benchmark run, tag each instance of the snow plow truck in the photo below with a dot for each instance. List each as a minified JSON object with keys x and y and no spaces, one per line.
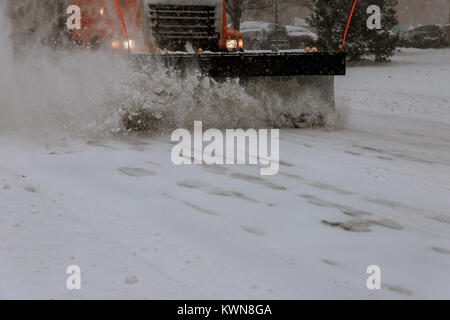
{"x":185,"y":34}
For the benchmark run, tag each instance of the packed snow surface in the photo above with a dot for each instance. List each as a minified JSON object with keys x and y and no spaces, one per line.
{"x":373,"y":193}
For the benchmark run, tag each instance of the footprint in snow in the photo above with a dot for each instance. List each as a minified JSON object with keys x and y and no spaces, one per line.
{"x":330,"y":262}
{"x":192,"y":184}
{"x":215,"y":168}
{"x":441,"y":250}
{"x":353,"y":153}
{"x":131,"y":280}
{"x":258,"y":180}
{"x":30,"y":188}
{"x":397,"y":289}
{"x":347,"y":210}
{"x":195,"y":184}
{"x":441,"y":218}
{"x":228,"y":193}
{"x":253,"y":230}
{"x":363,"y":225}
{"x":136,"y":172}
{"x":200,"y":209}
{"x":285,"y":163}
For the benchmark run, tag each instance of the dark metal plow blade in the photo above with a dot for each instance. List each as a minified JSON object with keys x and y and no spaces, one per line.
{"x":249,"y":64}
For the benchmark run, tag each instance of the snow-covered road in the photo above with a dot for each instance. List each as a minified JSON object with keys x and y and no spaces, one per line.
{"x":374,"y":193}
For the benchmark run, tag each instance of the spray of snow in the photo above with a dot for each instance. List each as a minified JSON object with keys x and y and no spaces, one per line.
{"x":48,"y":93}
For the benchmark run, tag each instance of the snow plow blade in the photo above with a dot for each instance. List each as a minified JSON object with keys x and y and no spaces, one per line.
{"x":248,"y":64}
{"x":303,"y":83}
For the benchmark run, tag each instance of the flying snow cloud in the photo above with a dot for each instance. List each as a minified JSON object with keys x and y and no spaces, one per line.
{"x":75,"y":92}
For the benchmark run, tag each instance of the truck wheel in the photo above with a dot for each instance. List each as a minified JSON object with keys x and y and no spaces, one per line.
{"x":95,"y":43}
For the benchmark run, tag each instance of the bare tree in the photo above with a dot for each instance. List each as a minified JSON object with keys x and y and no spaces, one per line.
{"x":234,"y":10}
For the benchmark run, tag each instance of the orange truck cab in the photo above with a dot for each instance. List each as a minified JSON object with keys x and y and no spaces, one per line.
{"x":154,"y":25}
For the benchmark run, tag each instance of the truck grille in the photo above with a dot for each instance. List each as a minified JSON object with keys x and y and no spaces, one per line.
{"x":174,"y":25}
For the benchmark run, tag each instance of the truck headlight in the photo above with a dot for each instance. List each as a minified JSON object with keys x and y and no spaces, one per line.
{"x":129,"y":44}
{"x":232,"y":44}
{"x":115,"y":44}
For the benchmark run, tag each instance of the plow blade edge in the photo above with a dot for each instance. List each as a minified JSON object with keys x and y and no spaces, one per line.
{"x":248,"y":64}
